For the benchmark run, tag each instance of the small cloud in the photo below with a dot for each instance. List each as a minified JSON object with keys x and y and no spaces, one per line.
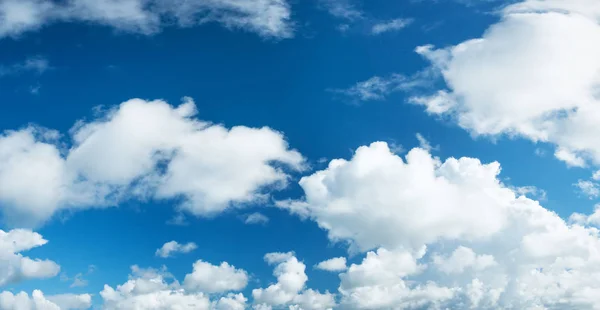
{"x":36,"y":65}
{"x":596,"y":176}
{"x":588,"y":188}
{"x":35,"y":90}
{"x":333,"y":265}
{"x":343,"y":9}
{"x":391,"y":25}
{"x":178,"y":220}
{"x":531,"y":191}
{"x":540,"y":152}
{"x":424,"y":144}
{"x":79,"y":281}
{"x":256,"y":218}
{"x":173,"y":247}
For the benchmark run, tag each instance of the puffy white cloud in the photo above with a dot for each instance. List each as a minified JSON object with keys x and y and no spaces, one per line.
{"x":14,"y":266}
{"x":145,"y":149}
{"x":448,"y":234}
{"x":209,"y":278}
{"x":231,"y":302}
{"x":268,"y":18}
{"x":391,"y":25}
{"x":333,"y":264}
{"x":289,"y":288}
{"x":534,"y":74}
{"x":148,"y":289}
{"x":172,"y":247}
{"x":256,"y":218}
{"x":37,"y":301}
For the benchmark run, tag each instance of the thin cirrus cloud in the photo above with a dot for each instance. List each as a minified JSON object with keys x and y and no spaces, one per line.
{"x":267,"y":18}
{"x":34,"y":64}
{"x":37,"y":180}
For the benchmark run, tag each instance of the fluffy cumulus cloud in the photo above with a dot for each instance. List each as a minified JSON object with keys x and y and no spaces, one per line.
{"x":172,"y":247}
{"x":534,"y":74}
{"x":448,"y":234}
{"x":268,"y":18}
{"x":289,"y":290}
{"x":143,"y":149}
{"x":215,"y":279}
{"x":333,"y":264}
{"x":157,"y":289}
{"x":15,"y":267}
{"x":37,"y":301}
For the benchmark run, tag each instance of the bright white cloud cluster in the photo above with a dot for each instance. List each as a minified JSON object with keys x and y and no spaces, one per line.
{"x":289,"y":290}
{"x":14,"y":266}
{"x":145,"y":149}
{"x":448,"y":234}
{"x":172,"y":247}
{"x":535,"y":74}
{"x":157,"y":289}
{"x":268,"y":18}
{"x":37,"y":301}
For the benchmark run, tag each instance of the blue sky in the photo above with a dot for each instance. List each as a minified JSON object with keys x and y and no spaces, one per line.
{"x":443,"y":153}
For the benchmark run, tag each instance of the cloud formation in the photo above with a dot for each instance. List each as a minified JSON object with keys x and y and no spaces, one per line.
{"x":448,"y":234}
{"x":534,"y":75}
{"x":140,"y":149}
{"x":268,"y":18}
{"x":173,"y":247}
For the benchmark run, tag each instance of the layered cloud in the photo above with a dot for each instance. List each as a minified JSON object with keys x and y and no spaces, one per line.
{"x":535,"y":74}
{"x":268,"y":18}
{"x":140,"y":149}
{"x":448,"y":234}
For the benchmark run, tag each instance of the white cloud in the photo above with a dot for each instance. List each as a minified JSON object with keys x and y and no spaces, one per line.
{"x":534,"y":74}
{"x":343,"y":9}
{"x":333,"y":264}
{"x":424,"y":143}
{"x":144,"y":149}
{"x":209,"y":278}
{"x":391,"y":25}
{"x":596,"y":176}
{"x":375,"y":88}
{"x":231,"y":302}
{"x":268,"y":18}
{"x":290,"y":287}
{"x":35,"y":64}
{"x":173,"y":247}
{"x":448,"y":234}
{"x":37,"y":301}
{"x":256,"y":218}
{"x":15,"y":267}
{"x":588,"y":188}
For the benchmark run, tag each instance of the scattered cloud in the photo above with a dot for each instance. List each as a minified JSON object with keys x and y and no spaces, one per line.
{"x":391,"y":25}
{"x":268,"y":18}
{"x":588,"y":188}
{"x":37,"y":179}
{"x":35,"y":65}
{"x":333,"y":264}
{"x":215,"y":279}
{"x":343,"y":9}
{"x":256,"y":218}
{"x":173,"y":247}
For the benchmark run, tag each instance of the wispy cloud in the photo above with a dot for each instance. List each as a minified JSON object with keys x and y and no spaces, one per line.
{"x":35,"y":64}
{"x":391,"y":25}
{"x":343,"y":9}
